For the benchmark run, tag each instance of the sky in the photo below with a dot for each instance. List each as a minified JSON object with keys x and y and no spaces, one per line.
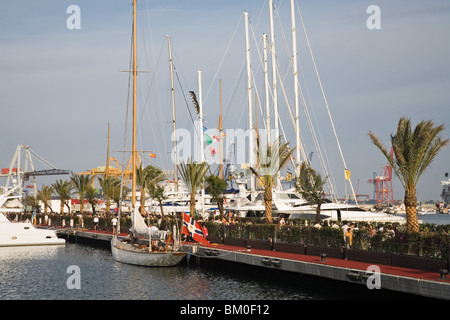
{"x":61,"y":86}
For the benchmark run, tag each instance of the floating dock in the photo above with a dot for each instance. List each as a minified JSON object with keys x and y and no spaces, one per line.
{"x":431,"y":284}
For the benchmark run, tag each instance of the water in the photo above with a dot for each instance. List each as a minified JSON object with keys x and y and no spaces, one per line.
{"x":43,"y":273}
{"x":431,"y":218}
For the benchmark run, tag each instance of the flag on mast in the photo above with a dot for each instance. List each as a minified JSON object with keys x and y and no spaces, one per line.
{"x":347,"y":174}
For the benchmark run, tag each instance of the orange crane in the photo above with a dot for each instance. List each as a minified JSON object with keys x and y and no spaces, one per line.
{"x":384,"y":193}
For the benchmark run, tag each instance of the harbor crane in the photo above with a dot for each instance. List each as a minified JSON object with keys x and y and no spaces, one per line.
{"x":383,"y":191}
{"x":16,"y":174}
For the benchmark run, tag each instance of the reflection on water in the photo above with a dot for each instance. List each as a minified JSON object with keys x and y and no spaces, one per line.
{"x":42,"y":273}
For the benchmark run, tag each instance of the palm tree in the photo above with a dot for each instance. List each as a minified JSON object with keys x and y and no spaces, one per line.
{"x":109,"y":186}
{"x":158,"y":194}
{"x":114,"y":191}
{"x":45,"y":195}
{"x":413,"y":153}
{"x":146,"y":179}
{"x":31,"y":201}
{"x":310,"y":185}
{"x":91,"y":196}
{"x":81,"y":183}
{"x":64,"y":190}
{"x":216,"y":187}
{"x":193,"y":174}
{"x":270,"y":162}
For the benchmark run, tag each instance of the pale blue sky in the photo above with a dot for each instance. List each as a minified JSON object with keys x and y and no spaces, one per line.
{"x":60,"y":87}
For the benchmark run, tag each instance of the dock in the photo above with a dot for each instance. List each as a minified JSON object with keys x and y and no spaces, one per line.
{"x":433,"y":283}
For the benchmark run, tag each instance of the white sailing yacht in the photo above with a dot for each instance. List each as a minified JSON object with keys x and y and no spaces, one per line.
{"x":159,"y":252}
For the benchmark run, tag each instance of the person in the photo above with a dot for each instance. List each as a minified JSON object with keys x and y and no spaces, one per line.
{"x":114,"y":223}
{"x":372,"y":230}
{"x":282,"y":222}
{"x":349,"y":237}
{"x":95,"y":223}
{"x":344,"y":228}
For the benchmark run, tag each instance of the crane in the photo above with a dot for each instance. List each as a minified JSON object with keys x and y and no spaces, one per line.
{"x":383,"y":190}
{"x":17,"y":174}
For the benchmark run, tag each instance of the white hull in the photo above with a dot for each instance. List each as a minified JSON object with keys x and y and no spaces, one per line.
{"x":349,"y":216}
{"x":336,"y":211}
{"x":25,"y":234}
{"x":126,"y":253}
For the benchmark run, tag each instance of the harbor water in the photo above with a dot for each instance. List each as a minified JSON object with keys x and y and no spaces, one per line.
{"x":83,"y":272}
{"x":47,"y":273}
{"x":77,"y":271}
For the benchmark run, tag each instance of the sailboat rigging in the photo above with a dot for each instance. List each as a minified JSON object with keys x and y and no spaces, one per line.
{"x":130,"y":250}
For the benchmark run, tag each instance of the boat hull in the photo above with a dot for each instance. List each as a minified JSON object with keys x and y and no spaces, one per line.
{"x":125,"y":253}
{"x":25,"y":234}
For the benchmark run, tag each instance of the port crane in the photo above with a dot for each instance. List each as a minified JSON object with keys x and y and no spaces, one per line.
{"x":16,"y":174}
{"x":383,"y":191}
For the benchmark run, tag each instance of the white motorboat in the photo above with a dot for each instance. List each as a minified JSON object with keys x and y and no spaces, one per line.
{"x":23,"y":233}
{"x":291,"y":205}
{"x":334,"y":211}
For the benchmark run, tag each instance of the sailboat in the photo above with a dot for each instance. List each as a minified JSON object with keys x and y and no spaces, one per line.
{"x":156,"y":250}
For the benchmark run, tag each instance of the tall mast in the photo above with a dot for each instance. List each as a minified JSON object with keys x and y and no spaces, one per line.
{"x":266,"y":84}
{"x":133,"y":191}
{"x":202,"y":151}
{"x":220,"y":132}
{"x":175,"y":168}
{"x":107,"y":157}
{"x":297,"y":125}
{"x":274,"y":69}
{"x":249,"y":98}
{"x":274,"y":79}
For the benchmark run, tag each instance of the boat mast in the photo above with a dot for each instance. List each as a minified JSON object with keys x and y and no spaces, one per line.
{"x":107,"y":158}
{"x":297,"y":125}
{"x":220,"y":132}
{"x":133,"y":152}
{"x":266,"y":83}
{"x":202,"y":148}
{"x":250,"y":108}
{"x":175,"y":168}
{"x":274,"y":79}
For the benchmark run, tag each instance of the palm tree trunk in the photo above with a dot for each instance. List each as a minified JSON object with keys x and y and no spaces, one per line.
{"x":108,"y":205}
{"x":220,"y":206}
{"x":162,"y":210}
{"x":411,"y":211}
{"x":268,"y":203}
{"x":192,"y":205}
{"x":68,"y":207}
{"x":318,"y":213}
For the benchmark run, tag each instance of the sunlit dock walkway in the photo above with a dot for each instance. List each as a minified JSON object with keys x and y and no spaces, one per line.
{"x":431,"y":281}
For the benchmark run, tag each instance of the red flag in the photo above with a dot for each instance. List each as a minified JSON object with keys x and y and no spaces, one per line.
{"x":152,"y":155}
{"x":192,"y":228}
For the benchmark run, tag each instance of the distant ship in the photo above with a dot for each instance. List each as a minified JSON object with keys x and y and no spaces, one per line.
{"x":445,"y":193}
